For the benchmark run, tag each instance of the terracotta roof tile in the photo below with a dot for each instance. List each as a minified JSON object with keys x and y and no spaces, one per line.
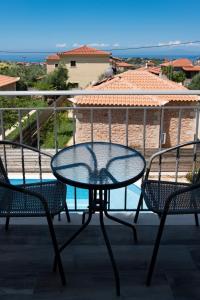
{"x":154,"y":70}
{"x":85,"y":51}
{"x":6,"y":80}
{"x":182,"y":62}
{"x":53,"y":57}
{"x":192,"y":69}
{"x":135,"y":80}
{"x":123,"y":64}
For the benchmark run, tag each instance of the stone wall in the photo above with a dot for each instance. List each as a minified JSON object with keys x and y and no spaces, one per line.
{"x":9,"y":87}
{"x":117,"y":131}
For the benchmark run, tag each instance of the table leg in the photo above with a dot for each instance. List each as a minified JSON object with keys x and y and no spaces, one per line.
{"x":119,"y":220}
{"x":114,"y":266}
{"x":76,"y":233}
{"x":116,"y":273}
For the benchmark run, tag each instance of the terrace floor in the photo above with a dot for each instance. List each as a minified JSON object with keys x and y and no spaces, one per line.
{"x":26,"y":259}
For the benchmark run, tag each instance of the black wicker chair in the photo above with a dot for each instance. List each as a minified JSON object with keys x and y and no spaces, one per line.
{"x":170,"y":198}
{"x":47,"y":198}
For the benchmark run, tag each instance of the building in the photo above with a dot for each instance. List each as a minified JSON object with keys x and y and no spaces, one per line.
{"x":142,"y":80}
{"x":119,"y":65}
{"x":85,"y":64}
{"x":183,"y":64}
{"x":8,"y":83}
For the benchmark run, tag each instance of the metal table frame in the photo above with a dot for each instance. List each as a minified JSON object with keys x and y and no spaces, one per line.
{"x":98,"y":200}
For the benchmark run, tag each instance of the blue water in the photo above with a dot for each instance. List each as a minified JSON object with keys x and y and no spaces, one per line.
{"x":116,"y":196}
{"x":27,"y":57}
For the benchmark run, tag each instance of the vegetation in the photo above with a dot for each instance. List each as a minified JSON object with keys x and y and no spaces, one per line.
{"x":28,"y":74}
{"x":142,"y":61}
{"x":63,"y":130}
{"x":193,"y":177}
{"x":34,"y":76}
{"x":10,"y":117}
{"x":64,"y":125}
{"x":177,"y":76}
{"x":56,"y":80}
{"x":195,"y":83}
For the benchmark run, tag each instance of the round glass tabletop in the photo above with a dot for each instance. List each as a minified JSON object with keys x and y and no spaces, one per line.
{"x":98,"y":165}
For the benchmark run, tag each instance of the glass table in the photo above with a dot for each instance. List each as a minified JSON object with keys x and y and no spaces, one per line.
{"x":99,"y":167}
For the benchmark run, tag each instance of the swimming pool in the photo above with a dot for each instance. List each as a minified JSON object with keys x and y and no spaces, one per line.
{"x":117,"y":197}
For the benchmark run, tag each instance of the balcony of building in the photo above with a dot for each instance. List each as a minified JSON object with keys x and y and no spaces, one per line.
{"x":26,"y":251}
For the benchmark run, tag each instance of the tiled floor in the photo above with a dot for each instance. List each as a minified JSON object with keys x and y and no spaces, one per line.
{"x":26,"y":260}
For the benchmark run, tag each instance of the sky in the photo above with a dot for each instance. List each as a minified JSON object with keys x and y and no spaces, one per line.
{"x":51,"y":25}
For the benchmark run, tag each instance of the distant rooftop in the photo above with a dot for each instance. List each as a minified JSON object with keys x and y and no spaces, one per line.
{"x":154,"y":70}
{"x":53,"y":57}
{"x":134,"y":80}
{"x":6,"y":80}
{"x":85,"y":51}
{"x":81,"y":51}
{"x":182,"y":62}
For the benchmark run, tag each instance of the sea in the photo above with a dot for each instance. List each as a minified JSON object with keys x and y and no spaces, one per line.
{"x":39,"y":58}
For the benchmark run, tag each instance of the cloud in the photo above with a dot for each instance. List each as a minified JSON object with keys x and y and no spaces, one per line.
{"x":74,"y":45}
{"x":179,"y":43}
{"x":61,"y":45}
{"x":116,"y":45}
{"x":170,"y":43}
{"x":97,"y":45}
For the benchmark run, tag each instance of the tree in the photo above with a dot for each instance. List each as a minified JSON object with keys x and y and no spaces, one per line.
{"x":177,"y":76}
{"x":56,"y":80}
{"x":28,"y":74}
{"x":195,"y":83}
{"x":43,"y":85}
{"x":168,"y":71}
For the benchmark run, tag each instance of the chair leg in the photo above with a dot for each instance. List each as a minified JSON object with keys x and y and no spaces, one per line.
{"x":67,"y":213}
{"x":138,"y":208}
{"x":83,"y":216}
{"x":155,"y":250}
{"x":56,"y":249}
{"x":7,"y":223}
{"x":196,"y":219}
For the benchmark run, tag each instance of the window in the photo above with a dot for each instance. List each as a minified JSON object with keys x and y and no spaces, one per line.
{"x":73,"y":63}
{"x":56,"y":65}
{"x":75,"y":85}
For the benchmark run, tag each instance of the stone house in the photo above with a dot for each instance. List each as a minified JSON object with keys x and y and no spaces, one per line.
{"x":85,"y":64}
{"x":8,"y":83}
{"x":113,"y":123}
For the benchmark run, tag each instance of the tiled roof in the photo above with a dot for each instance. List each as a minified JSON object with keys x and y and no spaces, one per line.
{"x":123,"y":64}
{"x":6,"y":80}
{"x":154,"y":70}
{"x":182,"y":62}
{"x":134,"y":80}
{"x":192,"y":69}
{"x":53,"y":57}
{"x":85,"y":51}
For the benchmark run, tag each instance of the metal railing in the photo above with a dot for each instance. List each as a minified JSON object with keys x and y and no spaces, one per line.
{"x":173,"y":164}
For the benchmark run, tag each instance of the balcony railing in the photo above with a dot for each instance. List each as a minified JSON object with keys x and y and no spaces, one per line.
{"x":159,"y":127}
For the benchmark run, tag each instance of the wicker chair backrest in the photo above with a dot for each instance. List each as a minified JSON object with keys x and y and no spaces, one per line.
{"x":3,"y":173}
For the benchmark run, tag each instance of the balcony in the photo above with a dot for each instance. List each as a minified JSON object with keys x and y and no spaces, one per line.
{"x":26,"y":273}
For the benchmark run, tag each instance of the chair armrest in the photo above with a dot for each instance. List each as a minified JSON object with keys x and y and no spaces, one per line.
{"x":5,"y":142}
{"x":180,"y":191}
{"x":160,"y":153}
{"x":20,"y":189}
